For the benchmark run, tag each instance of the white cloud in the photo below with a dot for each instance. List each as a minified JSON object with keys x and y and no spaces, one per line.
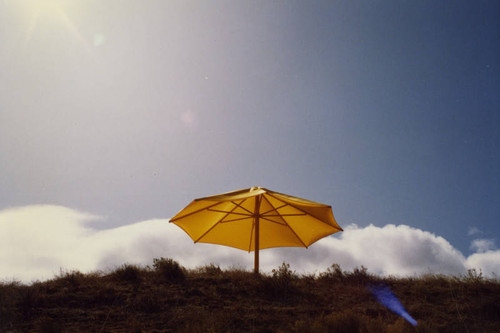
{"x":474,"y":231}
{"x":488,"y":263}
{"x":483,"y":245}
{"x":394,"y":250}
{"x":37,"y":241}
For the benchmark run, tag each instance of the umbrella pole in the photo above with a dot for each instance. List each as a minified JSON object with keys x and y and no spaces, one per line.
{"x":257,"y":227}
{"x":256,"y":258}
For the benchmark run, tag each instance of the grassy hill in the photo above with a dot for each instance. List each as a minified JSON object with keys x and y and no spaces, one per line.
{"x":168,"y":298}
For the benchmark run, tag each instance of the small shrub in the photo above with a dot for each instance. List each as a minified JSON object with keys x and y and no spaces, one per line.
{"x":211,"y":270}
{"x":169,"y":269}
{"x":279,"y":284}
{"x":333,"y":273}
{"x":473,"y":276}
{"x":308,"y":279}
{"x":284,"y":273}
{"x":360,"y":276}
{"x":129,"y":273}
{"x":72,"y":278}
{"x":283,"y":276}
{"x":240,"y":274}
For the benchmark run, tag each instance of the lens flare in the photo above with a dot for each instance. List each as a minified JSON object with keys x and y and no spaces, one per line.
{"x":41,"y":12}
{"x":385,"y":297}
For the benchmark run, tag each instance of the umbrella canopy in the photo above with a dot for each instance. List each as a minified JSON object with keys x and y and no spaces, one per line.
{"x":256,"y":218}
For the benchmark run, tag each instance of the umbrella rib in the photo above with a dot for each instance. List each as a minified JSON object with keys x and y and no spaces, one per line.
{"x":223,"y":211}
{"x":234,"y":220}
{"x":196,"y":211}
{"x":300,"y":239}
{"x":292,"y":205}
{"x":239,"y":205}
{"x":274,"y":209}
{"x":287,"y":214}
{"x":209,"y":229}
{"x":269,"y":220}
{"x":291,"y":229}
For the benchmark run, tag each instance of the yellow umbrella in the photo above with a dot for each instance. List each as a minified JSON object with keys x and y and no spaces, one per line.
{"x":256,"y":218}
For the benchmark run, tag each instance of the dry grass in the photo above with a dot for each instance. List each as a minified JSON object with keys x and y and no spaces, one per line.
{"x":170,"y":298}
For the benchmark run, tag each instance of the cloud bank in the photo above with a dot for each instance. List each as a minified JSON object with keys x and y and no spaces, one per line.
{"x":37,"y":242}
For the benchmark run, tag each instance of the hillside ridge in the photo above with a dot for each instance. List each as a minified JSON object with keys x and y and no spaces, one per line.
{"x":169,"y":298}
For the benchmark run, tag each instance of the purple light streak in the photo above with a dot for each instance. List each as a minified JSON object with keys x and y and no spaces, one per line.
{"x":385,"y":297}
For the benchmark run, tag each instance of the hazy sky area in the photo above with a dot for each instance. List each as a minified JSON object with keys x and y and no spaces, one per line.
{"x":115,"y":114}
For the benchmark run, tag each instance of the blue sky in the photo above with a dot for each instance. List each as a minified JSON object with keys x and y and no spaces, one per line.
{"x":127,"y":110}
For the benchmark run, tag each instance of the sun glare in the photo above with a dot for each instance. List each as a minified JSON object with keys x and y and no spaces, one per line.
{"x":39,"y":12}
